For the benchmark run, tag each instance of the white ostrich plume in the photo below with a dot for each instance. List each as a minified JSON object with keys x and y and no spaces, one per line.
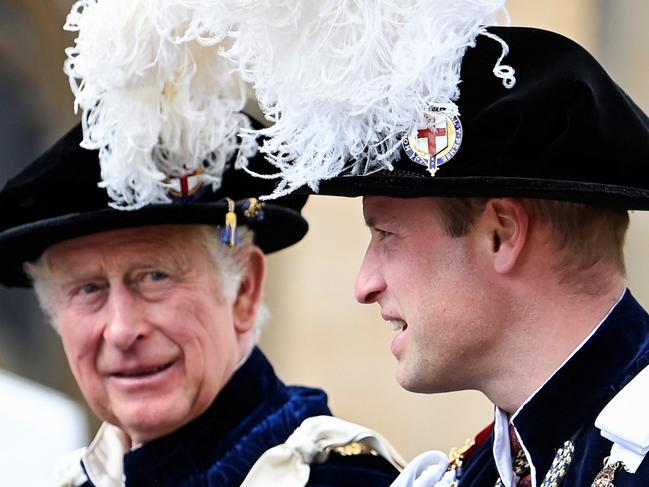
{"x":157,"y":99}
{"x":343,"y":80}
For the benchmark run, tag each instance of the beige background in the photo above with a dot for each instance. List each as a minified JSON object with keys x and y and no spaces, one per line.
{"x":319,"y":334}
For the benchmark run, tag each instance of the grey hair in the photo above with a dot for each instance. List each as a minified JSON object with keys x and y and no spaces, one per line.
{"x":230,"y":263}
{"x":39,"y":273}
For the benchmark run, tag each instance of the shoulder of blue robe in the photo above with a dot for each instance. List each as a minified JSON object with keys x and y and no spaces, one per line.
{"x":254,"y":412}
{"x":318,"y":441}
{"x":352,"y":471}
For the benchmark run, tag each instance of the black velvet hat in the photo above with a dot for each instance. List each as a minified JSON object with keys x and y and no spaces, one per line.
{"x":57,"y":198}
{"x":564,"y":131}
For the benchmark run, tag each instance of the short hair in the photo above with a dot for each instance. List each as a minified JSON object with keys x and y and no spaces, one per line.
{"x":230,"y":263}
{"x":584,"y":235}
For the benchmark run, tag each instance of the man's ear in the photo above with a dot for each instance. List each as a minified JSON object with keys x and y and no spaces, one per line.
{"x":250,"y":293}
{"x":505,"y":224}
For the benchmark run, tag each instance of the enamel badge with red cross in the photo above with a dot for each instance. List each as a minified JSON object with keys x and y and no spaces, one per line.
{"x":188,"y":187}
{"x":435,"y":143}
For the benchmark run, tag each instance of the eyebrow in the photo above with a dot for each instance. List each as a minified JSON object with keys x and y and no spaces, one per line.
{"x":381,"y":219}
{"x":370,"y":222}
{"x":73,"y":276}
{"x":72,"y":280}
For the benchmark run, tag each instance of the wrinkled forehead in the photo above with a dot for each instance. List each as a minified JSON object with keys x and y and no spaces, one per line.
{"x":151,"y":243}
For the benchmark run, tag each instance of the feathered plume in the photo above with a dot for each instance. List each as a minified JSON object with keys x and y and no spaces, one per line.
{"x":343,"y":80}
{"x":157,"y":98}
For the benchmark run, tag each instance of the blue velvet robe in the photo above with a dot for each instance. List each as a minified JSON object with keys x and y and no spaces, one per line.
{"x":566,"y":406}
{"x":254,"y":412}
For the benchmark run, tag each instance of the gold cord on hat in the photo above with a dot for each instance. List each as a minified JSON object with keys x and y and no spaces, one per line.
{"x":253,"y":209}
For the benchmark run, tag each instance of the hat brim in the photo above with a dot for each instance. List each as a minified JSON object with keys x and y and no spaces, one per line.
{"x":405,"y":184}
{"x":278,"y":228}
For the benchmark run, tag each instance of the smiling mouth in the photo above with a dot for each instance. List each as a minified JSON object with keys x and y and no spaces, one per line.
{"x":397,"y":325}
{"x":143,"y":372}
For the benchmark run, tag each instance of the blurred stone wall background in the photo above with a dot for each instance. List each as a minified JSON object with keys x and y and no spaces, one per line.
{"x":35,"y":109}
{"x":318,"y":334}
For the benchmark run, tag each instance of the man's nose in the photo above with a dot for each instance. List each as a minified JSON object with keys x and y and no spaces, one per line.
{"x":369,"y":282}
{"x":125,"y":324}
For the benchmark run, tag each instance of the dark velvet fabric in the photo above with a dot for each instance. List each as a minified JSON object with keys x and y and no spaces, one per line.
{"x":565,"y":131}
{"x":565,"y":408}
{"x":57,"y":197}
{"x":254,"y":412}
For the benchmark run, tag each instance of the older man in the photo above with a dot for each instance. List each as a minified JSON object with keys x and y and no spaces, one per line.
{"x":157,"y":312}
{"x":496,"y":248}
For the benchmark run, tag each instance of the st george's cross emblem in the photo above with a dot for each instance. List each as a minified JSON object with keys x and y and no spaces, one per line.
{"x":188,"y":187}
{"x":435,"y":143}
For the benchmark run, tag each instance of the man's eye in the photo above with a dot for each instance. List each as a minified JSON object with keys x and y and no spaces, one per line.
{"x":149,"y":282}
{"x":382,"y":234}
{"x":89,"y":288}
{"x":86,"y":293}
{"x":154,"y":280}
{"x":157,"y":275}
